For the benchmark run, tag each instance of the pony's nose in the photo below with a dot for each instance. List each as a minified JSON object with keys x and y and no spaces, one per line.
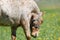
{"x":37,"y":26}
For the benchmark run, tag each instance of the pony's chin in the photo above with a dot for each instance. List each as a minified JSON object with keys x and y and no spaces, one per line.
{"x":34,"y":35}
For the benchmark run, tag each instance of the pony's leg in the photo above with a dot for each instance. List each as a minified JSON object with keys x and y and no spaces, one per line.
{"x":13,"y":33}
{"x":26,"y":28}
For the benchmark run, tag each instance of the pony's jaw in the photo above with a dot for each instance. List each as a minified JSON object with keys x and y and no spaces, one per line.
{"x":34,"y":32}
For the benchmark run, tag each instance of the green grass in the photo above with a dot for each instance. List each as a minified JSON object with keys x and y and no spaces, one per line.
{"x":49,"y":30}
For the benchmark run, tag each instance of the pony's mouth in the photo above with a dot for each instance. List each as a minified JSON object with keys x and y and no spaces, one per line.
{"x":34,"y":32}
{"x":34,"y":35}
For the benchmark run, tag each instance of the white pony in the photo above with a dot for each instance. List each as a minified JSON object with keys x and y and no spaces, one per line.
{"x":16,"y":13}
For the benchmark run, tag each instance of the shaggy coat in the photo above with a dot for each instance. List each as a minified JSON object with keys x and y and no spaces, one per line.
{"x":16,"y":13}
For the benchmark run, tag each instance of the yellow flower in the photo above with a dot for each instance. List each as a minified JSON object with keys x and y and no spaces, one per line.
{"x":59,"y":38}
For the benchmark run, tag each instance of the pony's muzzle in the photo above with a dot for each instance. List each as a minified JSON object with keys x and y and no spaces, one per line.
{"x":34,"y":35}
{"x":35,"y":32}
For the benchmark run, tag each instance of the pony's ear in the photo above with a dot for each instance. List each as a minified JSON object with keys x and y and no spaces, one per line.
{"x":40,"y":18}
{"x":34,"y":15}
{"x":41,"y":13}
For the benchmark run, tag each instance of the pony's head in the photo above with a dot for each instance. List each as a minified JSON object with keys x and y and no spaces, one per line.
{"x":36,"y":21}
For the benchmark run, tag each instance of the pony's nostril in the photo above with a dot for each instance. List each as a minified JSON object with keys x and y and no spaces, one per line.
{"x":36,"y":27}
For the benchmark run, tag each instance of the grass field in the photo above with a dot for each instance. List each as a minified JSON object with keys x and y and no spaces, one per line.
{"x":49,"y":30}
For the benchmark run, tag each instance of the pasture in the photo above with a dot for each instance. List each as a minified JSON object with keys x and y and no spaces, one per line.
{"x":49,"y":30}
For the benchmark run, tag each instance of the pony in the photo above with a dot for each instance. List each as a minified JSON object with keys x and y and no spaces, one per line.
{"x":24,"y":13}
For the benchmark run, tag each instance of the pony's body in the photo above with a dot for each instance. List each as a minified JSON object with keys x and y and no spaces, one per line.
{"x":13,"y":10}
{"x":17,"y":12}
